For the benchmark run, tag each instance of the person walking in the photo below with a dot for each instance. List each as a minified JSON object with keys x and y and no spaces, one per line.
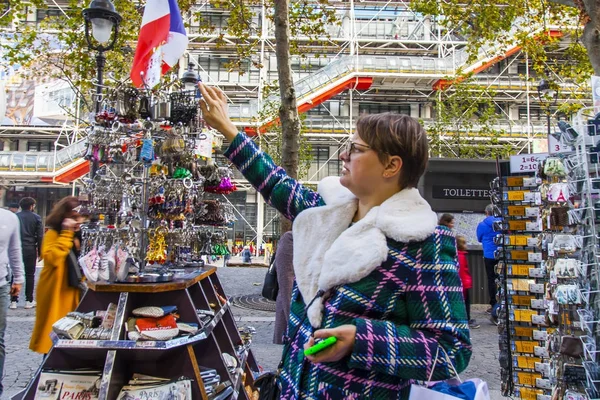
{"x":284,"y":265}
{"x":32,"y":231}
{"x":373,"y":269}
{"x":246,"y":255}
{"x":465,"y":277}
{"x":57,"y":297}
{"x":10,"y":257}
{"x":485,"y":236}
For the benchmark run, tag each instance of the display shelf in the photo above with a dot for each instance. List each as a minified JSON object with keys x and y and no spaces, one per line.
{"x":239,"y":375}
{"x":150,"y":345}
{"x":191,"y":278}
{"x":119,"y":358}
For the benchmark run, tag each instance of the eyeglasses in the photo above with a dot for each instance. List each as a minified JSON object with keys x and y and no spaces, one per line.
{"x":352,"y":147}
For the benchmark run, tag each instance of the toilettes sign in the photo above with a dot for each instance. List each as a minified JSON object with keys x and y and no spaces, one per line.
{"x":460,"y":192}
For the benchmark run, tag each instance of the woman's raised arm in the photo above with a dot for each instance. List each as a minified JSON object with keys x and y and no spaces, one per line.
{"x":286,"y":194}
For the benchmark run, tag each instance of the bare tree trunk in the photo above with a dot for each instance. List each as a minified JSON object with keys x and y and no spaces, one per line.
{"x":288,"y":111}
{"x":591,"y":41}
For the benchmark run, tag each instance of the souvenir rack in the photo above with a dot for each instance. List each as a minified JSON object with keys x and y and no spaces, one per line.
{"x":552,"y":305}
{"x":119,"y":358}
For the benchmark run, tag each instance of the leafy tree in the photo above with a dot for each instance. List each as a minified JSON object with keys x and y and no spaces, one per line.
{"x":466,"y":111}
{"x":527,"y":24}
{"x":58,"y":48}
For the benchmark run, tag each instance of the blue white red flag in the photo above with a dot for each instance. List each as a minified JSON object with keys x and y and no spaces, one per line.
{"x":161,"y":43}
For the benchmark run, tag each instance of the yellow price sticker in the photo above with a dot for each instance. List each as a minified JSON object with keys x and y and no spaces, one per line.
{"x":517,"y":225}
{"x":516,"y":211}
{"x":516,"y":195}
{"x":514,"y":181}
{"x":519,"y":255}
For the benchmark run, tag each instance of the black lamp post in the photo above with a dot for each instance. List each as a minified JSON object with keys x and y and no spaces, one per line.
{"x":190,"y":79}
{"x":103,"y":18}
{"x":548,"y":97}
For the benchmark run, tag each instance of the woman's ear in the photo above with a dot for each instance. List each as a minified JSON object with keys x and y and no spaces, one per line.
{"x":393,"y":167}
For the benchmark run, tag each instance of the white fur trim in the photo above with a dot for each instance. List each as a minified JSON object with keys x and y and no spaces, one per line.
{"x":329,"y":252}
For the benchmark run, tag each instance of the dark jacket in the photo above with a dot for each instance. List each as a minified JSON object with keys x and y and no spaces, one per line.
{"x":32,"y":230}
{"x":486,"y":235}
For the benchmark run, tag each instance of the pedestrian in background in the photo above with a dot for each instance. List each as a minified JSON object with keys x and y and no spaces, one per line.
{"x":373,"y":269}
{"x":465,"y":277}
{"x":246,"y":255}
{"x":447,"y":220}
{"x":485,"y":236}
{"x":32,"y":232}
{"x":13,"y":208}
{"x":57,"y":297}
{"x":10,"y":257}
{"x":284,"y":265}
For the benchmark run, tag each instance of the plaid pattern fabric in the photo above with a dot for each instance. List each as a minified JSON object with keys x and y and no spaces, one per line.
{"x":280,"y":191}
{"x":404,"y":310}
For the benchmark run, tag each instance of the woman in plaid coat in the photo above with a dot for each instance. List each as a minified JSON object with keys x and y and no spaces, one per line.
{"x":369,"y":258}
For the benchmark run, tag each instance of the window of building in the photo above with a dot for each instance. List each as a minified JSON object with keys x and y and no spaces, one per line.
{"x":377,"y":108}
{"x":39,"y":146}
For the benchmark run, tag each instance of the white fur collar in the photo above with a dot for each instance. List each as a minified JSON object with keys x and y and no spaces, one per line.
{"x":328,"y":253}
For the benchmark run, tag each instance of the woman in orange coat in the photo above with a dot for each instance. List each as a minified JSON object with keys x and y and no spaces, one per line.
{"x":55,"y":297}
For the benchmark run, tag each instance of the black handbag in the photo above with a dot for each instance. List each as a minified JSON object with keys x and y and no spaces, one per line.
{"x":73,"y":270}
{"x":270,"y":285}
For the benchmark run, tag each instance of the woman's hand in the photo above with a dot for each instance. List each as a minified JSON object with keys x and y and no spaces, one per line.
{"x":345,"y":335}
{"x":69,"y":224}
{"x":214,"y":111}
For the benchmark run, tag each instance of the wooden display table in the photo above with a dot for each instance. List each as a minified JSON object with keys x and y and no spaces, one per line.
{"x":119,"y":358}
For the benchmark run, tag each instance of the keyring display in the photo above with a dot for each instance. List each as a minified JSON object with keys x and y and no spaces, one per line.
{"x":155,"y":204}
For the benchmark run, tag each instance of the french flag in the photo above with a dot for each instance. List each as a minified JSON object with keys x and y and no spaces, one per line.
{"x":161,"y":43}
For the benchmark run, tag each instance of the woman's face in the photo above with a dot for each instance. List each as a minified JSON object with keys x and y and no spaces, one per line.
{"x":362,"y":171}
{"x":451,"y":224}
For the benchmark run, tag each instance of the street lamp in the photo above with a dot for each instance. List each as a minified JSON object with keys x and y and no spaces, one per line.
{"x":103,"y":19}
{"x":190,"y":79}
{"x":548,"y":97}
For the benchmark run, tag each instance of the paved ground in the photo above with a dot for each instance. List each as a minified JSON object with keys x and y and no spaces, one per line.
{"x":21,"y":363}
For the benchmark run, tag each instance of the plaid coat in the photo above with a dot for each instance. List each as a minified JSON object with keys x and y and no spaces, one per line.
{"x":393,"y":275}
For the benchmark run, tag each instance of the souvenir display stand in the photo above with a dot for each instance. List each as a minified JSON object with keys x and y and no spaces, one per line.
{"x":119,"y":358}
{"x":549,"y":270}
{"x":155,"y":316}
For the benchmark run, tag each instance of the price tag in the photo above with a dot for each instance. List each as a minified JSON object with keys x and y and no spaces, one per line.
{"x":531,"y":211}
{"x":526,"y":162}
{"x":555,"y":147}
{"x":518,"y":240}
{"x":522,"y":301}
{"x":514,"y":181}
{"x":521,"y":270}
{"x":519,"y":255}
{"x":524,"y":332}
{"x":516,"y":195}
{"x":517,"y":225}
{"x":516,"y":211}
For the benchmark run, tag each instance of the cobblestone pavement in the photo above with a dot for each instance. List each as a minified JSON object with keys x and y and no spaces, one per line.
{"x":21,"y":363}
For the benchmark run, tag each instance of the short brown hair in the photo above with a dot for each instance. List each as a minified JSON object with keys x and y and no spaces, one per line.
{"x":445,"y":219}
{"x":62,"y":210}
{"x":397,"y":135}
{"x":26,"y":203}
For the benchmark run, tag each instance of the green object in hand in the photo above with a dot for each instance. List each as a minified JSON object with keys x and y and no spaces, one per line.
{"x":322,"y":345}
